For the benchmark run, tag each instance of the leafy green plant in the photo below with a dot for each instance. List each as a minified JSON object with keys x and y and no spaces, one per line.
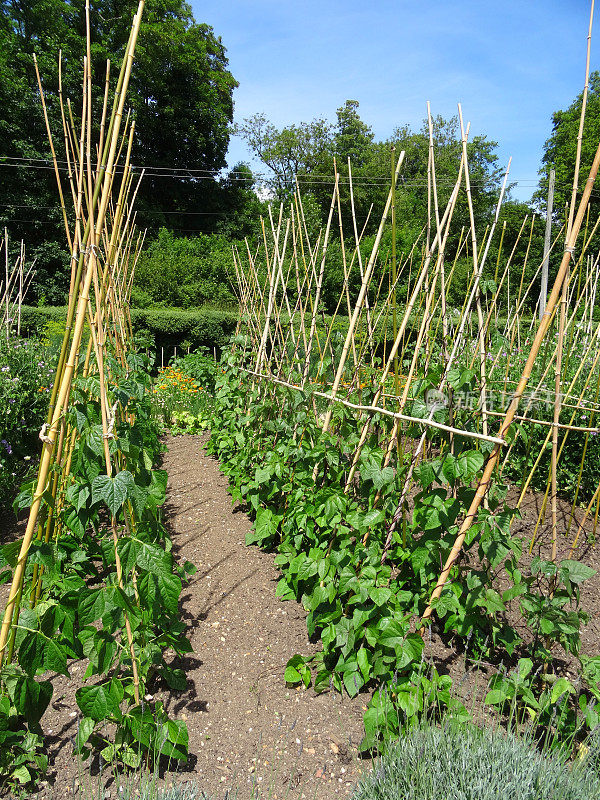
{"x":87,"y":601}
{"x":539,"y":698}
{"x":547,"y":608}
{"x":185,"y":422}
{"x":26,"y":370}
{"x":22,"y":755}
{"x":200,"y":366}
{"x":185,"y":272}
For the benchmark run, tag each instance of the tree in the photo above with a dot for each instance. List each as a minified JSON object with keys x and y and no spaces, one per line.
{"x":290,"y":151}
{"x":372,"y":177}
{"x":353,"y":138}
{"x":28,"y":201}
{"x":560,"y":151}
{"x":561,"y":148}
{"x":181,"y":96}
{"x":308,"y":150}
{"x":239,"y":206}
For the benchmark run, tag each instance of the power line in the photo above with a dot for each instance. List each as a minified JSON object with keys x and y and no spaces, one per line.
{"x":140,"y":211}
{"x":305,"y":180}
{"x":209,"y":174}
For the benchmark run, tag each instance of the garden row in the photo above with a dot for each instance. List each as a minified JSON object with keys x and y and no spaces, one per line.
{"x":27,"y":369}
{"x":80,"y":604}
{"x":93,"y":576}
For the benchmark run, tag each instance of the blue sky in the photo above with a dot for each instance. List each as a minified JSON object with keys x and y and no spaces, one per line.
{"x":510,"y":64}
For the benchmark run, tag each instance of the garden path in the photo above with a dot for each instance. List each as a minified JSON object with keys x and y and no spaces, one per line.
{"x":247,"y":729}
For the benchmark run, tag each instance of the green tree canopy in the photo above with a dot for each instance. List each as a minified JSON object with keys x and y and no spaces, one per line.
{"x":181,"y":96}
{"x":308,"y":149}
{"x":353,"y":138}
{"x":561,"y":148}
{"x":289,"y":151}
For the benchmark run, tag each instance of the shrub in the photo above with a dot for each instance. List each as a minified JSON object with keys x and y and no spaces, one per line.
{"x":185,"y":272}
{"x":464,"y":762}
{"x":139,"y":785}
{"x":173,"y":327}
{"x":161,"y":327}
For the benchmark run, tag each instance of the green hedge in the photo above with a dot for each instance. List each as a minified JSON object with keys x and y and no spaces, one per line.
{"x":181,"y":328}
{"x":163,"y":327}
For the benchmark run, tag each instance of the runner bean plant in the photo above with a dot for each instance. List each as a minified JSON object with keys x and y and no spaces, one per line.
{"x":363,"y":594}
{"x":380,"y":479}
{"x":93,"y":577}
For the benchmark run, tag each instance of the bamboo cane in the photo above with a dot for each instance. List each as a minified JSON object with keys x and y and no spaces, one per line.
{"x":65,"y":384}
{"x":484,"y":482}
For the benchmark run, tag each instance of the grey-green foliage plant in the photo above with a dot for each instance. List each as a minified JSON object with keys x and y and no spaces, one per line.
{"x":150,"y":790}
{"x":143,"y":783}
{"x":184,"y":791}
{"x":464,"y":762}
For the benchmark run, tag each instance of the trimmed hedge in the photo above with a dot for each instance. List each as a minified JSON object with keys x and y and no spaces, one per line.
{"x":207,"y":327}
{"x":164,"y":327}
{"x":173,"y":327}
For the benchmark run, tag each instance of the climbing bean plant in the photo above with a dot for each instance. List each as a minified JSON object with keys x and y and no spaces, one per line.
{"x":94,"y":576}
{"x":78,"y":608}
{"x":365,"y":590}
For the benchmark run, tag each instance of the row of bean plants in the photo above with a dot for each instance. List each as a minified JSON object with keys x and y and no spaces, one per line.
{"x":26,"y":374}
{"x":364,"y":598}
{"x":84,"y":603}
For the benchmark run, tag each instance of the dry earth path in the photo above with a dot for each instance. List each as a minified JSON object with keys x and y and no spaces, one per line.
{"x":250,"y":736}
{"x":248,"y":731}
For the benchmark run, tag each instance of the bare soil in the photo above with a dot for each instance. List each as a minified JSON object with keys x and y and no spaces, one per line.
{"x":246,"y":728}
